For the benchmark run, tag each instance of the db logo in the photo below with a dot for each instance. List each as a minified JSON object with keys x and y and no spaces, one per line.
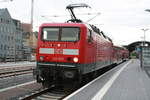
{"x":58,"y":51}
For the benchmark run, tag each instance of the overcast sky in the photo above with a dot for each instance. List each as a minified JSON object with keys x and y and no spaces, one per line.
{"x":121,"y":20}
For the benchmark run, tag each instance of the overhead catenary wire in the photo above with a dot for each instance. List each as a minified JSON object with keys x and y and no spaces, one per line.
{"x":93,"y":17}
{"x":48,"y":18}
{"x":69,"y":15}
{"x":6,"y":0}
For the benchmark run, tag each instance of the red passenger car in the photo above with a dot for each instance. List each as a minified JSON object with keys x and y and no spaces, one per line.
{"x":120,"y":54}
{"x":125,"y":54}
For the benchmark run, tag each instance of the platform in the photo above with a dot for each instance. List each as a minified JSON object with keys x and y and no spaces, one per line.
{"x":125,"y":82}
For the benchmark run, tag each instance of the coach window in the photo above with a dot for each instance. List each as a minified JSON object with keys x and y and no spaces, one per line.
{"x":89,"y":35}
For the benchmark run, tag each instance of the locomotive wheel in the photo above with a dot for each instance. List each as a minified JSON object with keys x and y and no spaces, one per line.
{"x":46,"y":84}
{"x":38,"y":79}
{"x":79,"y":82}
{"x":58,"y":82}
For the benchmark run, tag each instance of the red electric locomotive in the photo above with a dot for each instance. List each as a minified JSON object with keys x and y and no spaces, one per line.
{"x":70,"y":51}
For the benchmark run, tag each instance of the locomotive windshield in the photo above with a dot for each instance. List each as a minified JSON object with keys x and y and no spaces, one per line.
{"x":61,"y":34}
{"x":51,"y":34}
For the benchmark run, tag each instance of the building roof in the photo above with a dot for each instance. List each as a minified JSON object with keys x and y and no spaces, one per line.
{"x":2,"y":11}
{"x":131,"y":47}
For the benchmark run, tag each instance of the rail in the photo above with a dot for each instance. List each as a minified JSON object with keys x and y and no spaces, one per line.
{"x":52,"y":93}
{"x":15,"y":73}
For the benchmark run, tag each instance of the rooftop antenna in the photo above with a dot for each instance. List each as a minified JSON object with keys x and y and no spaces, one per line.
{"x":70,"y":9}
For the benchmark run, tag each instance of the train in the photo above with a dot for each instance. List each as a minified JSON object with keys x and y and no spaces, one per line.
{"x":72,"y":51}
{"x":121,"y":54}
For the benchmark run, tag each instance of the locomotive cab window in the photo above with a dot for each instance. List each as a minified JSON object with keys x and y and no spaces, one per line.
{"x":70,"y":34}
{"x":51,"y":34}
{"x":61,"y":34}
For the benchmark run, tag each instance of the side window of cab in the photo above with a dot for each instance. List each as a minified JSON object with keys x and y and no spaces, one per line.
{"x":89,"y":35}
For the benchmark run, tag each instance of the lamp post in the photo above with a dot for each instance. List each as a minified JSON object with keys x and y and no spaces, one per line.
{"x":144,"y":35}
{"x":32,"y":12}
{"x":31,"y":30}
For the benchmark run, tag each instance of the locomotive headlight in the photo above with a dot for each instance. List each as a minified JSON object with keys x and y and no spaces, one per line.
{"x":75,"y":59}
{"x":41,"y":58}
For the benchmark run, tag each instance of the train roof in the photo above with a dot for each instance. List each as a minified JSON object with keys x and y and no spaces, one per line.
{"x":94,"y":28}
{"x":121,"y":47}
{"x":63,"y":24}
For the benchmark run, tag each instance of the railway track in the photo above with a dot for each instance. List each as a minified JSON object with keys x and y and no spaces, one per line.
{"x":52,"y":93}
{"x":15,"y":73}
{"x":9,"y":69}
